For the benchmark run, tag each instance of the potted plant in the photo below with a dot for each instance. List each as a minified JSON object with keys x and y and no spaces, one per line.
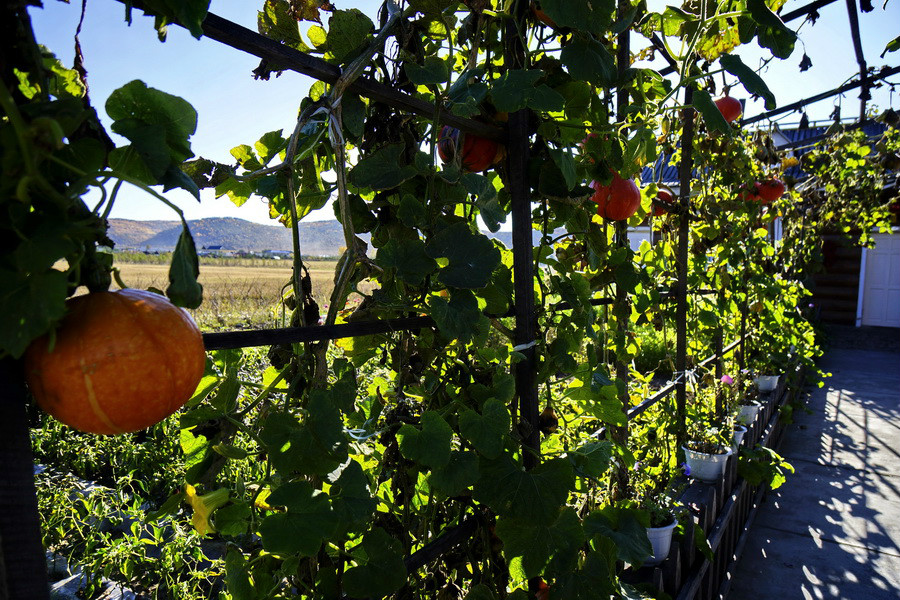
{"x":747,"y":401}
{"x":709,"y":441}
{"x":658,"y":501}
{"x":732,"y":391}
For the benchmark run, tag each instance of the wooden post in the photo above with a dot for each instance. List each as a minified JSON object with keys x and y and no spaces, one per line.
{"x":23,"y":567}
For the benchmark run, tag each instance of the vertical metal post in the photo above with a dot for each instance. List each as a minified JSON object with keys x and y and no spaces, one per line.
{"x":684,"y":204}
{"x":720,"y":401}
{"x":23,"y":567}
{"x":523,"y":279}
{"x":523,"y":256}
{"x":621,"y":307}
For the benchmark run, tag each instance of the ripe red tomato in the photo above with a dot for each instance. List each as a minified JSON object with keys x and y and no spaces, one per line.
{"x":478,"y":153}
{"x":665,"y":197}
{"x":617,"y":201}
{"x":120,"y":362}
{"x":729,"y":107}
{"x":770,"y":190}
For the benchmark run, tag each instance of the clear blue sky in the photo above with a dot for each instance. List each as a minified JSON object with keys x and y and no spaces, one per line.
{"x":234,"y":108}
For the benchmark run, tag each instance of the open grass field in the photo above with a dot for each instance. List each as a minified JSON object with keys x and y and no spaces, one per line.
{"x":236,"y":296}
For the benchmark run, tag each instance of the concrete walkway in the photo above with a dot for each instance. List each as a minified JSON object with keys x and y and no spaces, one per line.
{"x":833,"y":530}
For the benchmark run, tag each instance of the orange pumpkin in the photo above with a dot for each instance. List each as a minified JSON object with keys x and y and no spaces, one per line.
{"x":476,"y":153}
{"x":120,"y":362}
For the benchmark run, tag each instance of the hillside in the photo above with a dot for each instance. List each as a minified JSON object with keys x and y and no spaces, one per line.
{"x":323,"y":238}
{"x":317,"y":238}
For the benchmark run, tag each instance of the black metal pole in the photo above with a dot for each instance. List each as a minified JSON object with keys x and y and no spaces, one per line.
{"x":621,"y":307}
{"x":523,"y":256}
{"x":685,"y":171}
{"x":23,"y":567}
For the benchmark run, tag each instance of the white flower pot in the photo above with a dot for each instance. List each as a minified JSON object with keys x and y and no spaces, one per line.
{"x":739,"y":432}
{"x":766,"y":383}
{"x":708,"y":468}
{"x":747,"y":414}
{"x":661,"y":540}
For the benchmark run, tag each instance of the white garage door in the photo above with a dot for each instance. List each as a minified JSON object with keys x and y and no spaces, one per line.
{"x":881,"y":298}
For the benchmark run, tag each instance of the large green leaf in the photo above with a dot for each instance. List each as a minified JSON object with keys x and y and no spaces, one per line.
{"x":382,"y":571}
{"x":753,"y":83}
{"x":317,"y":446}
{"x":429,"y":446}
{"x":434,"y":71}
{"x":308,"y":522}
{"x":350,"y":495}
{"x":623,"y":527}
{"x":29,"y":304}
{"x":487,"y":431}
{"x":159,"y":126}
{"x":592,"y":17}
{"x":348,"y":32}
{"x":589,"y":60}
{"x":532,"y":545}
{"x":237,"y":575}
{"x":516,"y":89}
{"x":772,"y":33}
{"x":472,"y":256}
{"x":409,"y":259}
{"x":458,"y":474}
{"x":535,"y":496}
{"x":596,"y":580}
{"x":460,"y":318}
{"x":592,"y":459}
{"x":382,"y":170}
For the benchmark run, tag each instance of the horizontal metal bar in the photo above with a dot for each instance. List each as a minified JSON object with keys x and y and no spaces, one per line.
{"x":239,"y":37}
{"x":289,"y":335}
{"x":884,"y":73}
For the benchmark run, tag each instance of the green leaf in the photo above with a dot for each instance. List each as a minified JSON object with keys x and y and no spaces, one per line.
{"x":159,"y":125}
{"x":701,"y":543}
{"x":711,"y":115}
{"x":485,"y":199}
{"x":753,"y":83}
{"x":488,"y":431}
{"x":30,"y":303}
{"x":460,"y":318}
{"x":480,"y":592}
{"x":596,"y":580}
{"x":237,"y":575}
{"x":233,"y":520}
{"x":276,"y":22}
{"x":566,"y":164}
{"x":458,"y":474}
{"x":588,"y":60}
{"x":308,"y":522}
{"x":434,"y":71}
{"x":381,"y":170}
{"x":412,"y":212}
{"x":317,"y":446}
{"x":190,"y":14}
{"x":536,"y":544}
{"x":353,"y":113}
{"x":382,"y":571}
{"x":429,"y":446}
{"x":623,"y":527}
{"x":592,"y":17}
{"x":409,"y":259}
{"x":472,"y":256}
{"x":184,"y":290}
{"x":772,"y":32}
{"x":592,"y":459}
{"x":516,"y":89}
{"x":350,"y":495}
{"x":892,"y":46}
{"x":535,"y":496}
{"x":348,"y":32}
{"x":511,"y":91}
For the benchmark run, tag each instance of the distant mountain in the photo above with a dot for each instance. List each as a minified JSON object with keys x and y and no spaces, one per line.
{"x":317,"y":238}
